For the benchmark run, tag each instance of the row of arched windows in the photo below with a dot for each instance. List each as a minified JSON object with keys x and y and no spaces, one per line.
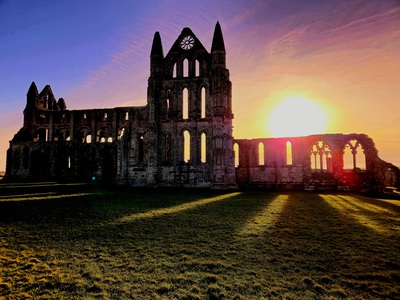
{"x":320,"y":156}
{"x":186,"y":145}
{"x":83,"y":135}
{"x":184,"y":69}
{"x":186,"y":103}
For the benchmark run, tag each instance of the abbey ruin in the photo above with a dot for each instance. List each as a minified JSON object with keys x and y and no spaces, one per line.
{"x":183,"y":137}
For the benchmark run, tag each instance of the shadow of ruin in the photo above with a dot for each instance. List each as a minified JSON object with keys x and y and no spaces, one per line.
{"x":183,"y":137}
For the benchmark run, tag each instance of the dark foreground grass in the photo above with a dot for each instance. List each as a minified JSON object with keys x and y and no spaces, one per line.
{"x":88,"y":242}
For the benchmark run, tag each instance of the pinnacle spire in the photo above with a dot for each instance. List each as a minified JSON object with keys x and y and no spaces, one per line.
{"x":156,"y":48}
{"x":33,"y":91}
{"x":218,"y":40}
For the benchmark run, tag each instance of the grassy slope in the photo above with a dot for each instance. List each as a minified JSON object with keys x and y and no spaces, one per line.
{"x":87,"y":242}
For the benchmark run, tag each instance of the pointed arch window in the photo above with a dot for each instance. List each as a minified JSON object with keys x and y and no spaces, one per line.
{"x":174,"y":70}
{"x":321,"y":157}
{"x":236,"y":150}
{"x":353,"y":156}
{"x":203,"y":102}
{"x":261,"y":158}
{"x":185,"y":67}
{"x":197,"y":68}
{"x":141,"y":149}
{"x":186,"y":146}
{"x":289,"y":156}
{"x":185,"y":103}
{"x":203,"y":156}
{"x":168,"y":102}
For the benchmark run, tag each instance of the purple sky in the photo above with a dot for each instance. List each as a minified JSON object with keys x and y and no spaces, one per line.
{"x":344,"y":55}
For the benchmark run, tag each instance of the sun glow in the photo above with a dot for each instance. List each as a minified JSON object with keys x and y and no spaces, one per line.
{"x":297,"y":116}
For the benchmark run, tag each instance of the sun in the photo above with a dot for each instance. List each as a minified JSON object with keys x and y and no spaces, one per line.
{"x":297,"y":116}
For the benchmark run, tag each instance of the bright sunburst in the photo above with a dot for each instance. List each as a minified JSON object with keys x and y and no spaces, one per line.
{"x":297,"y":116}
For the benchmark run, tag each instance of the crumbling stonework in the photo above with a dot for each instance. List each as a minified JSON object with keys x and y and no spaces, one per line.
{"x":315,"y":162}
{"x":183,"y":136}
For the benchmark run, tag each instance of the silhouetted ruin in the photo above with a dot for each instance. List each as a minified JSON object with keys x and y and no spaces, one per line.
{"x":183,"y":137}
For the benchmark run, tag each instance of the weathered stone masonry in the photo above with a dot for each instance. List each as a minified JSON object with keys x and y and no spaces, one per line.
{"x":183,"y":136}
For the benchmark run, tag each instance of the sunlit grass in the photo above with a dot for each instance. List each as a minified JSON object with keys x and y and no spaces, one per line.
{"x":365,"y":213}
{"x":182,"y":244}
{"x":266,"y":218}
{"x":174,"y":209}
{"x":39,"y":196}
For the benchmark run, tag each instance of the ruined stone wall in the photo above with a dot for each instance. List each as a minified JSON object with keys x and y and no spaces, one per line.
{"x":312,"y":162}
{"x":189,"y":99}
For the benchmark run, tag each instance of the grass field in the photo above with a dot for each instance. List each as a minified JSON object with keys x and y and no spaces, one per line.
{"x":89,"y":242}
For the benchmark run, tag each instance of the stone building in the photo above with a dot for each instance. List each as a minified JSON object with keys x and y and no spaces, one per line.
{"x":183,"y":136}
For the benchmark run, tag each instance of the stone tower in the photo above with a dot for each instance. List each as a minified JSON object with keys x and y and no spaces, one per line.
{"x":190,"y":112}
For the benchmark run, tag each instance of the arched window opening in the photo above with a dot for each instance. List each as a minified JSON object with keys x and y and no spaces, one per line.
{"x":103,"y":135}
{"x":168,"y":102}
{"x":197,"y":66}
{"x":69,"y":162}
{"x":126,"y":116}
{"x":261,"y":157}
{"x":84,"y":116}
{"x":174,"y":70}
{"x":203,"y":102}
{"x":354,"y":157}
{"x":185,"y":104}
{"x":321,"y":157}
{"x":289,"y":156}
{"x":89,"y":138}
{"x":109,"y":140}
{"x":347,"y":158}
{"x":185,"y":68}
{"x":203,"y":156}
{"x":186,"y":146}
{"x":105,"y":116}
{"x":236,"y":150}
{"x":63,"y":135}
{"x":360,"y":158}
{"x":141,"y":149}
{"x":121,"y":133}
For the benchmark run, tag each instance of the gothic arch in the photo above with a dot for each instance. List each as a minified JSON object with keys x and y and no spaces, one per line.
{"x":84,"y":135}
{"x":103,"y":135}
{"x":62,"y":134}
{"x":353,"y":155}
{"x":321,"y":156}
{"x":203,"y":100}
{"x":289,"y":153}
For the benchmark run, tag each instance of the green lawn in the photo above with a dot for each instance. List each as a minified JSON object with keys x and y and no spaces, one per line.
{"x":89,"y":242}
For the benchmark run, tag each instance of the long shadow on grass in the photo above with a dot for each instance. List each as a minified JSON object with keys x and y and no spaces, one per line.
{"x":249,"y":245}
{"x":329,"y":252}
{"x":192,"y":247}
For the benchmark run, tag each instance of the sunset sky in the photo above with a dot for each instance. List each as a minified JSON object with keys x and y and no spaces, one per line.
{"x":343,"y":56}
